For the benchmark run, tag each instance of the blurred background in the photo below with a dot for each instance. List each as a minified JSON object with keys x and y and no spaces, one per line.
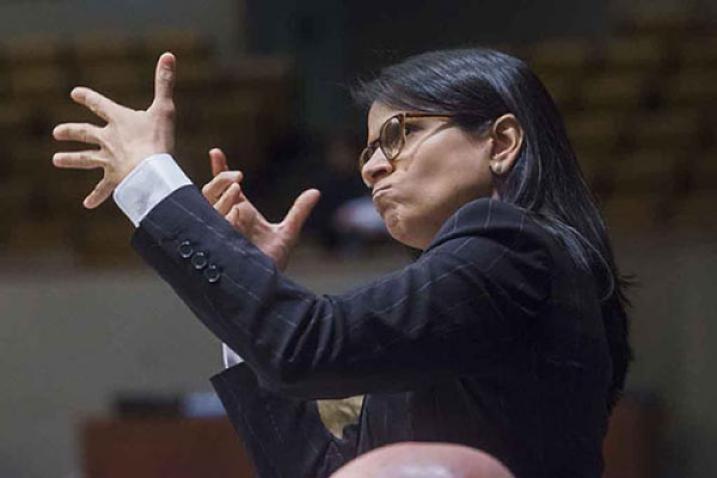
{"x":104,"y":370}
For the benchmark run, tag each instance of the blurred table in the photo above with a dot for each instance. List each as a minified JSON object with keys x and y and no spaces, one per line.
{"x":209,"y":447}
{"x":156,"y":448}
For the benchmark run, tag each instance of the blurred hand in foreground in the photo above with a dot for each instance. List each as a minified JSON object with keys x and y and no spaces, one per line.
{"x":128,"y":137}
{"x":276,"y":240}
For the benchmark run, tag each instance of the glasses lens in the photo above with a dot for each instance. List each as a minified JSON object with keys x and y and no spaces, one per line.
{"x":365,"y":156}
{"x":391,"y":138}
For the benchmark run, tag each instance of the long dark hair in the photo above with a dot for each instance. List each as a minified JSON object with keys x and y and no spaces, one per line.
{"x":478,"y":85}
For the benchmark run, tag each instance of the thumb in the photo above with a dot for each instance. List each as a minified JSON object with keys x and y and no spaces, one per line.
{"x":218,"y":160}
{"x":299,"y":212}
{"x":164,"y":77}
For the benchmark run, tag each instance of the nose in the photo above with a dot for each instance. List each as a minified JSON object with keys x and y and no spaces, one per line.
{"x":376,"y":168}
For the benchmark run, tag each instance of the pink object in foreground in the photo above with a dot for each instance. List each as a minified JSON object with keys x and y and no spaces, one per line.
{"x":424,"y":460}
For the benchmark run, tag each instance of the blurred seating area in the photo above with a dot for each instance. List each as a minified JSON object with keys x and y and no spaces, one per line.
{"x":242,"y":107}
{"x":639,"y":111}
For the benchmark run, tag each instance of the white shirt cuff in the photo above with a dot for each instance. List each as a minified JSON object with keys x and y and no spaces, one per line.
{"x":155,"y":178}
{"x":231,"y":358}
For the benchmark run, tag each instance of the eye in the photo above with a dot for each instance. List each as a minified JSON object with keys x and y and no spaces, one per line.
{"x":410,"y":128}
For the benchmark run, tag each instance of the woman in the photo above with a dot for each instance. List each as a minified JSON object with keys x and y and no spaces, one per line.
{"x":508,"y":333}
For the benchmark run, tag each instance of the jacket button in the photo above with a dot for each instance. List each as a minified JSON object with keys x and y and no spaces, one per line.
{"x":199,"y":260}
{"x":212,"y":273}
{"x":185,"y":250}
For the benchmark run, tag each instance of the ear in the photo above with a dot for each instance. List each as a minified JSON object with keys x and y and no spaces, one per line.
{"x":507,"y":136}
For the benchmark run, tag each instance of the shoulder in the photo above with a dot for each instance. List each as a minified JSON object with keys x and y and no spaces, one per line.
{"x":488,"y":220}
{"x":502,"y":249}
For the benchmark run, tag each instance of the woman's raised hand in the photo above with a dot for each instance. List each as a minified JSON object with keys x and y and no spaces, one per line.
{"x":128,"y":137}
{"x":276,"y":240}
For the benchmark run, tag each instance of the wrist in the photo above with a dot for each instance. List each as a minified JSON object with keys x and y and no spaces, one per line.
{"x":135,"y":160}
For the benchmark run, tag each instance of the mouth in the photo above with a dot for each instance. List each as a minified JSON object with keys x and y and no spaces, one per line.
{"x":379,"y":200}
{"x":378,"y":191}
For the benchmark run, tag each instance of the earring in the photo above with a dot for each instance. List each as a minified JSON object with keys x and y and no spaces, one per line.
{"x":496,"y":168}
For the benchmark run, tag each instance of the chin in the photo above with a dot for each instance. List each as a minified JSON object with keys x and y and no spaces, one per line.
{"x":399,"y":229}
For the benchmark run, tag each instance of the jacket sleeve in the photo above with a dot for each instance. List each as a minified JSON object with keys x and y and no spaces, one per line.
{"x":468,"y":298}
{"x":284,"y":436}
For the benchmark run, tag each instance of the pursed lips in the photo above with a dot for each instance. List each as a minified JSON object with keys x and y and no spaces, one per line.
{"x":377,"y":197}
{"x":376,"y":192}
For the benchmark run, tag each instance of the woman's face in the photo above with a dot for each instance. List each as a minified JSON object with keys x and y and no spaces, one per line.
{"x":440,"y":168}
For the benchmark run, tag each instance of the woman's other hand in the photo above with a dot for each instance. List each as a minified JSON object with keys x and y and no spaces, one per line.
{"x":276,"y":240}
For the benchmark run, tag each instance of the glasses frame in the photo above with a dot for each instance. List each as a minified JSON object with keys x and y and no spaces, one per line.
{"x":368,"y":152}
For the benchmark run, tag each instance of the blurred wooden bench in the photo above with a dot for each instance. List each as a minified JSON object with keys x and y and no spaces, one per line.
{"x":208,"y":448}
{"x":155,"y":448}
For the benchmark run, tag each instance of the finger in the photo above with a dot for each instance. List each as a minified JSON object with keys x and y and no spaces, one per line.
{"x":216,"y":187}
{"x":100,"y":105}
{"x":299,"y":212}
{"x":101,"y":192}
{"x":233,"y":217}
{"x":78,"y":160}
{"x":218,"y":160}
{"x":238,"y":216}
{"x":164,"y":78}
{"x":81,"y":132}
{"x":231,"y":196}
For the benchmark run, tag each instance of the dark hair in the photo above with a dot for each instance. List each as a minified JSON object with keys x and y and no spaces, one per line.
{"x":478,"y":85}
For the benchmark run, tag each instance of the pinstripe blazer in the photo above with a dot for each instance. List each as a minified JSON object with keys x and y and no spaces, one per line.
{"x":492,"y":338}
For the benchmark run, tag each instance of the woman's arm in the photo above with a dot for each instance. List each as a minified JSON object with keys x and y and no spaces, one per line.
{"x":465,"y":301}
{"x":451,"y":312}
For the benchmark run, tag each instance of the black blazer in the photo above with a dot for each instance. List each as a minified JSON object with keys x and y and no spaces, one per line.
{"x":492,"y":338}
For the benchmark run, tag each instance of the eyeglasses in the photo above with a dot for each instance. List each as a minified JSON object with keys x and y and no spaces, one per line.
{"x":392,"y":137}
